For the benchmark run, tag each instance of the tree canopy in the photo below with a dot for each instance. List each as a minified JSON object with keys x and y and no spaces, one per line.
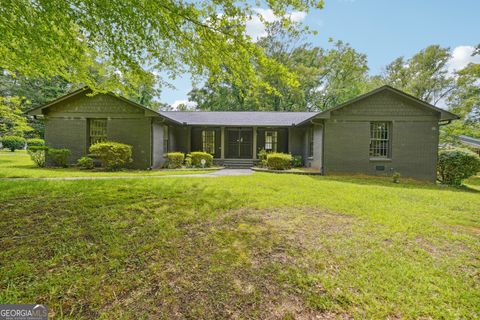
{"x":130,"y":39}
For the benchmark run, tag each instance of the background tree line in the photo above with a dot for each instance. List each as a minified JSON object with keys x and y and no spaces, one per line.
{"x":322,"y":79}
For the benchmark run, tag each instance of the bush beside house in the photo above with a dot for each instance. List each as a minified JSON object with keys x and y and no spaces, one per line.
{"x":174,"y":160}
{"x":85,"y":163}
{"x":38,"y":155}
{"x":59,"y":157}
{"x":456,"y":165}
{"x":113,"y":155}
{"x":197,"y":158}
{"x":279,"y":161}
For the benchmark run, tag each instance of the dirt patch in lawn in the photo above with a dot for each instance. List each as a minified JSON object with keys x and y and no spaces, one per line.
{"x":229,"y":267}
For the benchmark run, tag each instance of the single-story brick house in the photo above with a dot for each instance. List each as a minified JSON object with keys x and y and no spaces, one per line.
{"x":380,"y":132}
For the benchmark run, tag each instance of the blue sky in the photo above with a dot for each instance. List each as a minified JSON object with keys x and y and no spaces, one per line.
{"x":382,"y":29}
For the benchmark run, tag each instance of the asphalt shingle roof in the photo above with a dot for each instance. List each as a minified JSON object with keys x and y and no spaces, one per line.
{"x":238,"y":118}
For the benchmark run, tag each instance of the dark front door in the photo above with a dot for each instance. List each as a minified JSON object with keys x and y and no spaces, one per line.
{"x":239,"y":143}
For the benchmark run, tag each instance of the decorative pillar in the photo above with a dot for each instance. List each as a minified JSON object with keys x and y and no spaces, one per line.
{"x":222,"y":143}
{"x":254,"y":142}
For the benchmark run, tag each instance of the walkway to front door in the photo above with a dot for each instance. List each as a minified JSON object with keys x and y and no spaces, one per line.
{"x":239,"y":143}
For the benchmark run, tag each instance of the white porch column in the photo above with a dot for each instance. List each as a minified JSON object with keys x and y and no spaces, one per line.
{"x":222,"y":143}
{"x":254,"y":142}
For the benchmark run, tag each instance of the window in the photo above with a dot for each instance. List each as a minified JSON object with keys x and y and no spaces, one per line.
{"x":310,"y":141}
{"x":271,"y":141}
{"x":208,"y":141}
{"x":379,"y":139}
{"x":98,"y":130}
{"x":165,"y":139}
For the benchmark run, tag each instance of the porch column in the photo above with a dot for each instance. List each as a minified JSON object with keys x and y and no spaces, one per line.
{"x":289,"y":140}
{"x":222,"y":143}
{"x":188,"y":143}
{"x":254,"y":142}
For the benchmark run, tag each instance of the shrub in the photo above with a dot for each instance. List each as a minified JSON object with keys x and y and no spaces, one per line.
{"x":188,"y":161}
{"x":396,"y":177}
{"x":174,"y":160}
{"x":59,"y":156}
{"x":38,"y":155}
{"x":296,"y":161}
{"x":197,"y":159}
{"x":85,"y":163}
{"x":35,"y":142}
{"x":279,"y":161}
{"x":113,"y":155}
{"x":455,"y":165}
{"x":13,"y":142}
{"x":262,"y":155}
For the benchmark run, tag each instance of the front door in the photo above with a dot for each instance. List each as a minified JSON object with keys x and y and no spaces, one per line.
{"x":239,"y":143}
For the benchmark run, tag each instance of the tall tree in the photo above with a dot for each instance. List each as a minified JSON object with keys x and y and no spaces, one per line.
{"x":425,"y":75}
{"x":65,"y":38}
{"x":12,"y":120}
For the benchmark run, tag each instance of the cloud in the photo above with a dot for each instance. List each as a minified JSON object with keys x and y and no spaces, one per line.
{"x":461,"y":57}
{"x":255,"y":27}
{"x":189,"y":104}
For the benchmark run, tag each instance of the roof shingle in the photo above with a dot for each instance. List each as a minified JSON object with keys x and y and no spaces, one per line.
{"x":238,"y":118}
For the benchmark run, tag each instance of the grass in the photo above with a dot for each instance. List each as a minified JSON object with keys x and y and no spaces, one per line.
{"x":19,"y":165}
{"x":260,"y":246}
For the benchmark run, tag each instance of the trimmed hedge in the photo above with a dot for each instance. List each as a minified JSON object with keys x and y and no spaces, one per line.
{"x":197,"y":159}
{"x":455,"y":165}
{"x":13,"y":142}
{"x":113,"y":155}
{"x":279,"y":161}
{"x":38,"y":155}
{"x":35,"y":142}
{"x":85,"y":163}
{"x":59,"y":156}
{"x":174,"y":160}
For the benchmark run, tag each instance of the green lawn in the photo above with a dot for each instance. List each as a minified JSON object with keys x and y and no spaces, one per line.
{"x":19,"y":165}
{"x":260,"y":246}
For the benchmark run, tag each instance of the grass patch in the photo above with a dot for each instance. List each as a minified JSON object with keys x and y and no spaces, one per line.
{"x":19,"y":165}
{"x":260,"y":246}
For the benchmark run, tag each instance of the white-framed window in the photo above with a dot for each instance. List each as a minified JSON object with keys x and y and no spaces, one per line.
{"x":380,"y":139}
{"x":208,"y":141}
{"x":97,"y":130}
{"x":271,"y":141}
{"x":311,"y":134}
{"x":165,"y":139}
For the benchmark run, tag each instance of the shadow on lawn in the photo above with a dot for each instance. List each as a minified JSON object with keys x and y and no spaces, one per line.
{"x":404,"y":183}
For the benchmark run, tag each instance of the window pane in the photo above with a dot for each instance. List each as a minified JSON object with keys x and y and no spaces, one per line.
{"x":310,"y":142}
{"x":98,"y":130}
{"x":165,"y":139}
{"x":379,"y":139}
{"x":208,"y":141}
{"x":271,"y":141}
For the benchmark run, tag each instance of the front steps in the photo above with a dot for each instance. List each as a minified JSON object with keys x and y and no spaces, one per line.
{"x":238,"y":163}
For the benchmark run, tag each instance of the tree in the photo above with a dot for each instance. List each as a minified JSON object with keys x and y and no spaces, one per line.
{"x":425,"y":75}
{"x":65,"y":38}
{"x":12,"y":120}
{"x":324,"y":78}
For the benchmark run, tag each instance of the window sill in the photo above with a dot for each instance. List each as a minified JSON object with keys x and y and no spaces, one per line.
{"x":380,"y":159}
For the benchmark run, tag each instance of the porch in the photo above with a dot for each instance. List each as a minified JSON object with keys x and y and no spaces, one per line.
{"x":235,"y":146}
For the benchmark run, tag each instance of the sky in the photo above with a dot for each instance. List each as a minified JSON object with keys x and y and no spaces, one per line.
{"x":382,"y":29}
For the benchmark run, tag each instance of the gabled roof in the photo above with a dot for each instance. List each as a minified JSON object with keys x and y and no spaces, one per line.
{"x":473,"y":142}
{"x":238,"y":118}
{"x":250,"y":118}
{"x":84,"y":90}
{"x":444,"y":114}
